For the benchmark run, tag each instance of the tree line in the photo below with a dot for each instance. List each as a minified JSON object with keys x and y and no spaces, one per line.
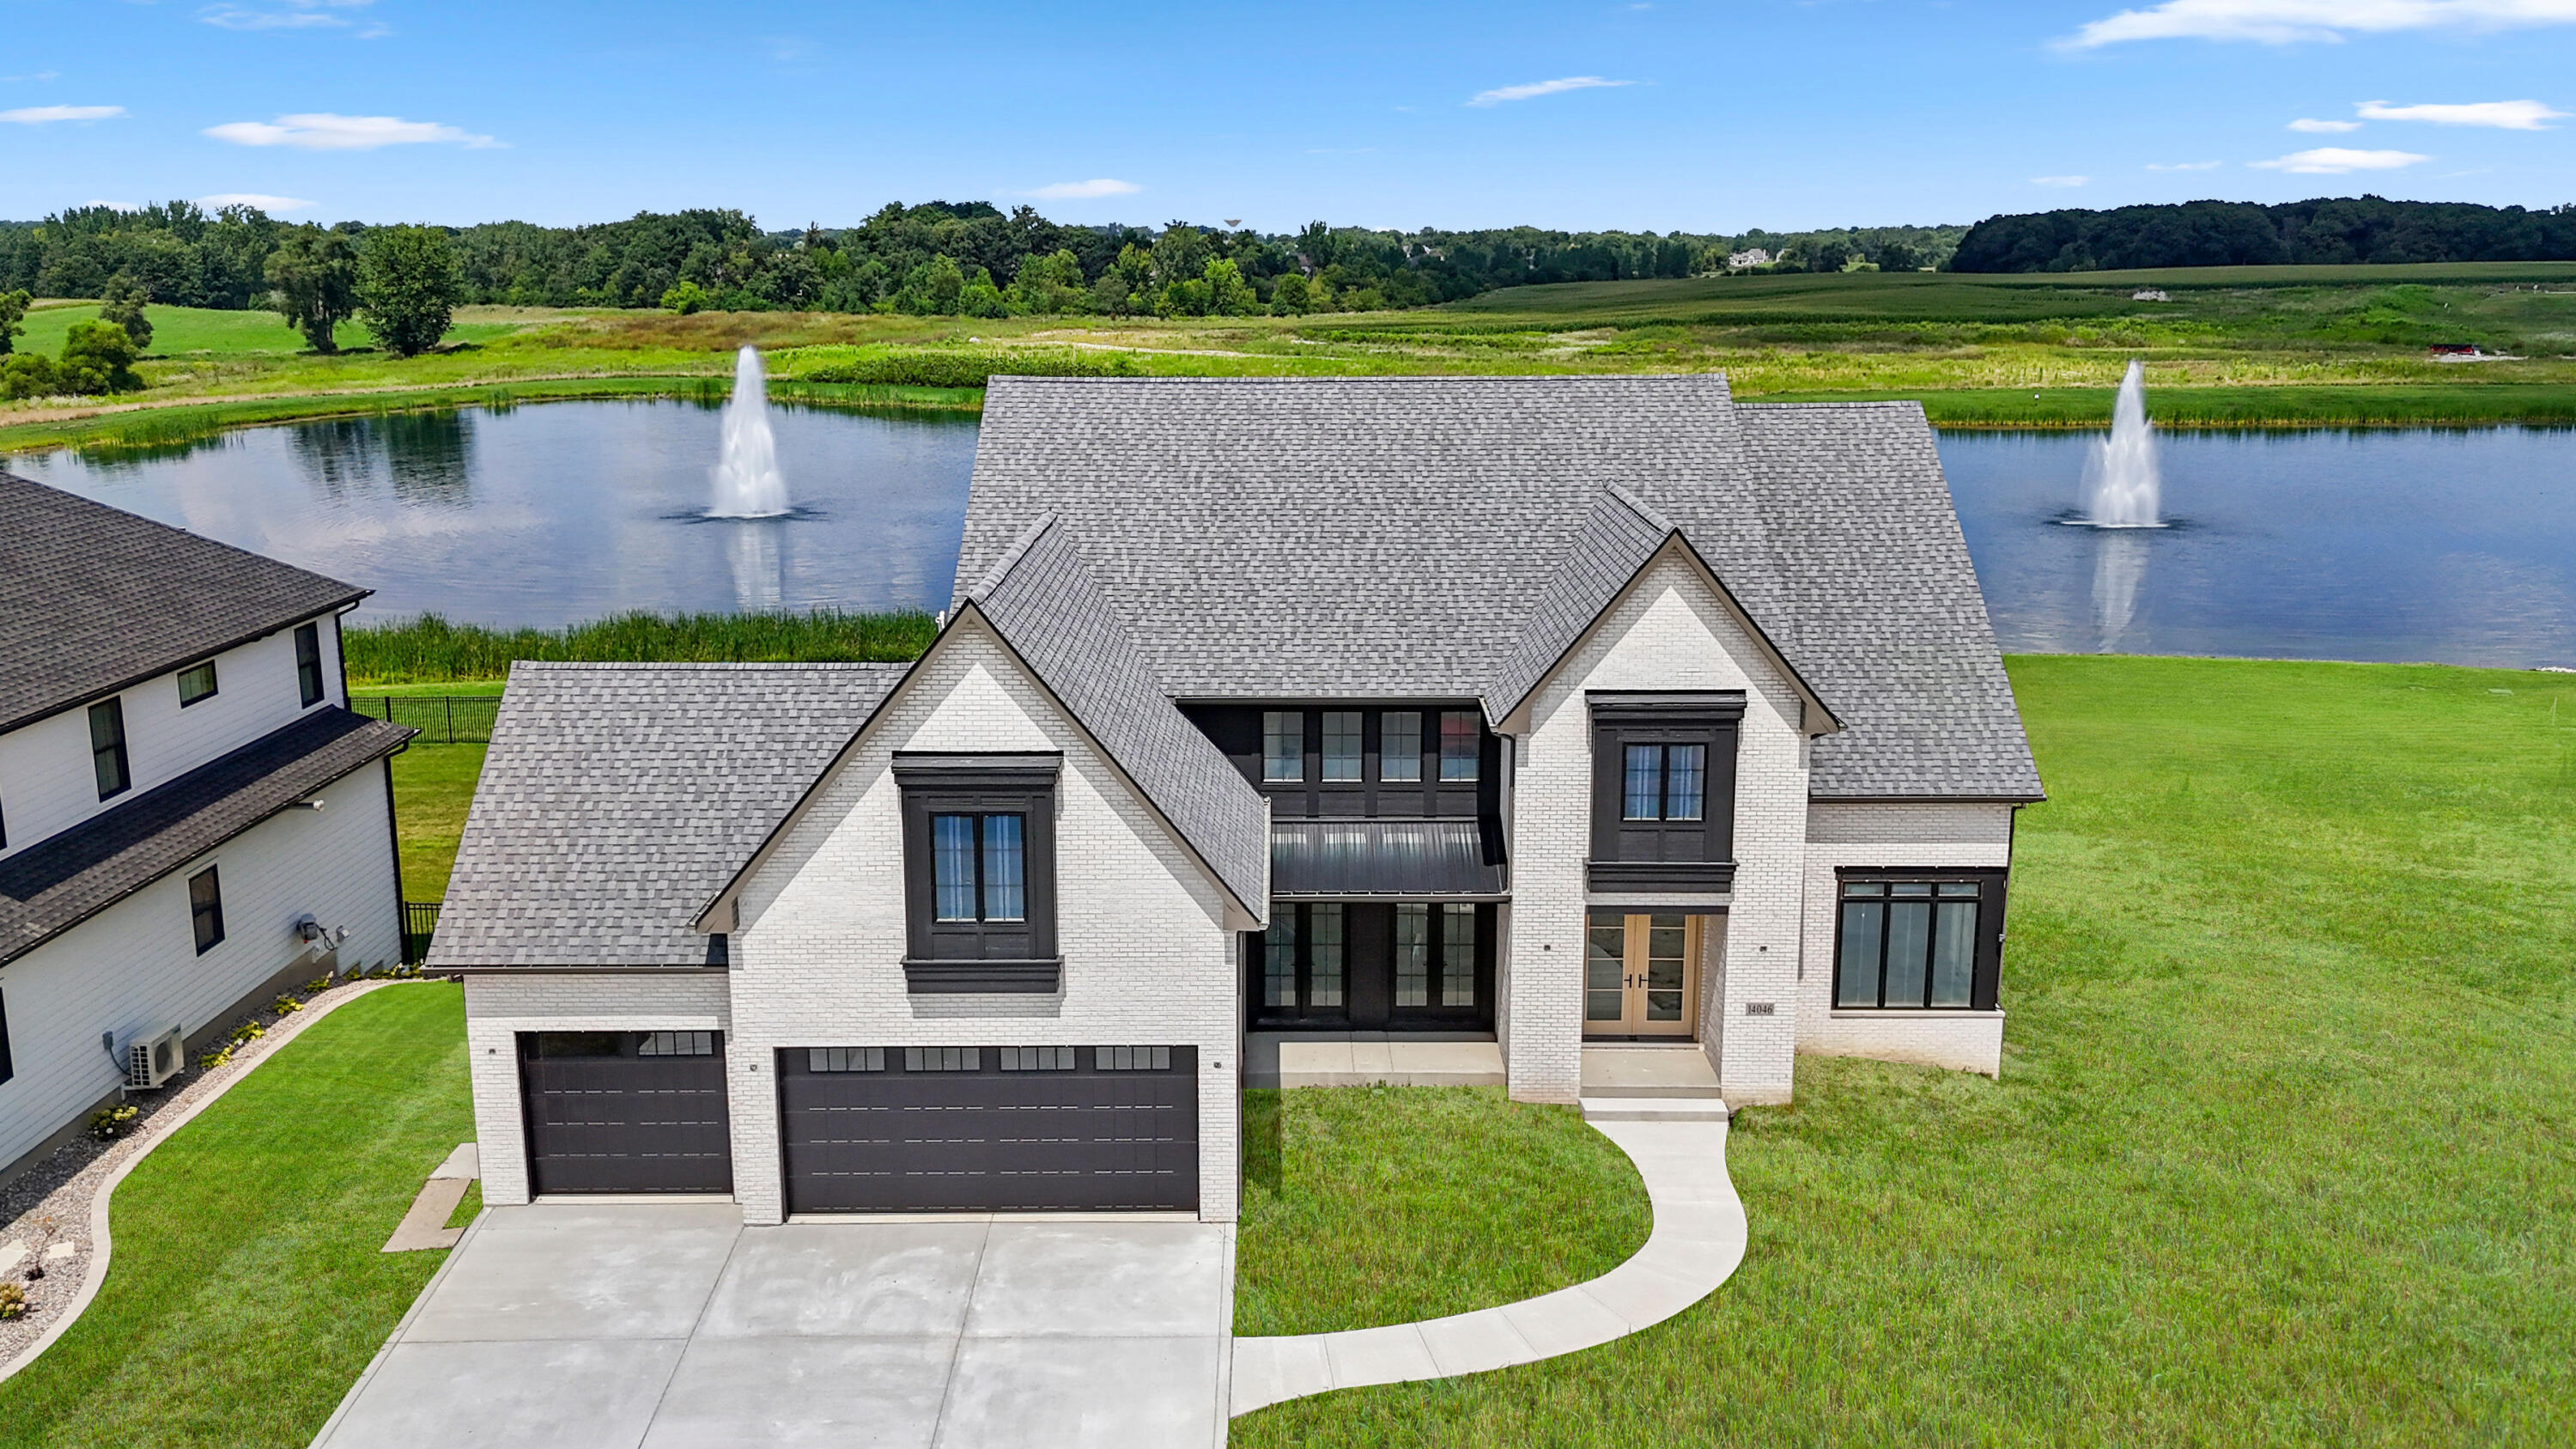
{"x":2298,"y":233}
{"x":968,"y":258}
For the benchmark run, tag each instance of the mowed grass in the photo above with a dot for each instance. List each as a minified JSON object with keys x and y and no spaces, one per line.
{"x":246,"y":1290}
{"x":433,"y":789}
{"x":2279,"y":1155}
{"x":1366,"y":1206}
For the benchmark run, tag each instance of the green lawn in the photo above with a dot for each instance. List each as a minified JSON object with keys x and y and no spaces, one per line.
{"x":1319,"y":1161}
{"x":2280,"y":1152}
{"x":433,"y":786}
{"x":246,"y":1290}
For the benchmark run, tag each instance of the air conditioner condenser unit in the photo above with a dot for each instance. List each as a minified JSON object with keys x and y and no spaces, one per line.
{"x":153,"y":1060}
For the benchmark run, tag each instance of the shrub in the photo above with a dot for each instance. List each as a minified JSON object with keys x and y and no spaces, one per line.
{"x":249,"y":1031}
{"x":685,"y":298}
{"x":285,"y":1005}
{"x":959,"y":367}
{"x":318,"y":984}
{"x":115,"y":1122}
{"x":13,"y":1301}
{"x":98,"y":358}
{"x":28,"y":374}
{"x":208,"y":1061}
{"x":379,"y":973}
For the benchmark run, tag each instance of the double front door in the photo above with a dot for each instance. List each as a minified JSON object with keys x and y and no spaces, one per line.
{"x":1641,"y":974}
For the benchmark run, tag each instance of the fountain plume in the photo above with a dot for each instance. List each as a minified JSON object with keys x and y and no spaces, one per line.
{"x":747,"y":481}
{"x":2122,"y":486}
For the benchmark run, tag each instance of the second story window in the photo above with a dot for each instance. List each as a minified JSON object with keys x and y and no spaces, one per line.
{"x":1663,"y":790}
{"x":1399,"y":758}
{"x":107,"y":747}
{"x":979,"y":868}
{"x":1665,"y":782}
{"x":1460,"y":743}
{"x":196,"y":682}
{"x":979,"y":871}
{"x":1342,"y":744}
{"x":1283,"y":745}
{"x":308,"y":662}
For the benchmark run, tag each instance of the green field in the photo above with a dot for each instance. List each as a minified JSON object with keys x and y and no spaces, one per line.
{"x":2278,"y":1156}
{"x":246,"y":1290}
{"x":2233,"y":346}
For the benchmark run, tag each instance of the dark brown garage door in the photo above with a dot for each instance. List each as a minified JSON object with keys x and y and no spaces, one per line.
{"x":990,"y":1129}
{"x":625,"y":1111}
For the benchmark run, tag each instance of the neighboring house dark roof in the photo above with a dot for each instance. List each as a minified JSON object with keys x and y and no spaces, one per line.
{"x":93,"y":599}
{"x":1427,"y":537}
{"x":49,"y":888}
{"x":1046,"y":606}
{"x":617,"y":799}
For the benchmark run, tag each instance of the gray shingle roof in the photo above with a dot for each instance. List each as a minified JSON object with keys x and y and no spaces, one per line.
{"x":1286,"y":538}
{"x":617,"y":799}
{"x":1617,"y":540}
{"x":93,"y":599}
{"x":1046,"y":606}
{"x":49,"y":888}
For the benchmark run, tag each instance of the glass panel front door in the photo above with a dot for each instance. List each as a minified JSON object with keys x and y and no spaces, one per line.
{"x":1640,"y":974}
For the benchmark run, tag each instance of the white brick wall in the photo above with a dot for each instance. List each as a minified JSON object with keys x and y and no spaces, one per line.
{"x":134,"y":968}
{"x":1670,"y":631}
{"x":499,"y":1007}
{"x":48,"y":783}
{"x":1895,"y":835}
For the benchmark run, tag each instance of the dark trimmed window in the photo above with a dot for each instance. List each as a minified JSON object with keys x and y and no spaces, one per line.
{"x":1399,"y":759}
{"x":206,"y":909}
{"x":196,"y":682}
{"x":1663,"y":790}
{"x":1461,"y":744}
{"x":1918,"y":940}
{"x":308,"y":662}
{"x":1343,"y":747}
{"x":107,"y":747}
{"x":1435,"y":954}
{"x":1283,"y":745}
{"x":1305,"y":960}
{"x":979,"y":872}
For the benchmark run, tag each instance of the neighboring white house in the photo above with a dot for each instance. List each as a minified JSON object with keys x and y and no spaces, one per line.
{"x":1536,"y":712}
{"x":1750,"y":257}
{"x":190,"y":817}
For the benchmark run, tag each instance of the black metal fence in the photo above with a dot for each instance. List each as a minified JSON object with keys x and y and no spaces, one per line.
{"x":450,"y":719}
{"x":420,"y":921}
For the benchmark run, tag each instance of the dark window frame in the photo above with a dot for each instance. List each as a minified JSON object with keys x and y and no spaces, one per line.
{"x":212,"y":684}
{"x":206,"y":909}
{"x":1986,"y":970}
{"x":1242,"y":732}
{"x":111,"y":751}
{"x":308,"y":663}
{"x":982,"y":956}
{"x":1663,"y":853}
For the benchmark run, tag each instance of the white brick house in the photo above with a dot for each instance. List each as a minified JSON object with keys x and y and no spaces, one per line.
{"x":190,"y":816}
{"x":1544,"y":712}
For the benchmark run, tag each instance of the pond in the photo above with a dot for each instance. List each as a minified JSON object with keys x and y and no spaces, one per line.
{"x":2458,"y":546}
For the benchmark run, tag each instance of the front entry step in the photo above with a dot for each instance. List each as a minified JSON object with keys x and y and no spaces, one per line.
{"x":1654,"y":1109}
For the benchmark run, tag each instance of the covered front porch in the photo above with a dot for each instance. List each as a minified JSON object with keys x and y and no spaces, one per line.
{"x":1674,"y":1072}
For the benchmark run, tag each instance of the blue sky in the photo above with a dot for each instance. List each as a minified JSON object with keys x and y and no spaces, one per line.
{"x":1704,"y":115}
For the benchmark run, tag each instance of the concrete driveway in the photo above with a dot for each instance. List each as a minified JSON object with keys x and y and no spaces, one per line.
{"x":629,"y":1324}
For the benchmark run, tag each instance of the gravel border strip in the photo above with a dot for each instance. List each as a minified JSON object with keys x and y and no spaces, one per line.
{"x":86,"y":1191}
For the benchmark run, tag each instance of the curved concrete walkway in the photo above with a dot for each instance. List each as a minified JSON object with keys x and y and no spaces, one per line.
{"x":1697,"y":1241}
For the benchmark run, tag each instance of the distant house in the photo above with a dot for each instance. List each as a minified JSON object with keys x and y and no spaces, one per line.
{"x":1537,"y":718}
{"x":1754,"y":257}
{"x":190,"y":817}
{"x":2149,"y":294}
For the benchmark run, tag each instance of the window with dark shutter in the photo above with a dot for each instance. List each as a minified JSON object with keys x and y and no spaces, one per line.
{"x":979,"y":872}
{"x":1663,"y":790}
{"x":308,"y":662}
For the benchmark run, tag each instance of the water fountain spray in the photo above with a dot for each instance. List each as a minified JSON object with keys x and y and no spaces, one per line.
{"x":2122,"y":486}
{"x":747,"y":481}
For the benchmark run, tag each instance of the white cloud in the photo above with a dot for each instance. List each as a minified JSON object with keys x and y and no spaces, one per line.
{"x":298,"y":15}
{"x":260,"y":199}
{"x":2185,"y":166}
{"x":43,"y":115}
{"x":2338,"y":160}
{"x":2503,"y":115}
{"x":2059,"y":180}
{"x":1081,"y":190}
{"x":2323,"y":128}
{"x":42,"y":75}
{"x":2281,"y":22}
{"x":322,"y":131}
{"x":1501,"y":94}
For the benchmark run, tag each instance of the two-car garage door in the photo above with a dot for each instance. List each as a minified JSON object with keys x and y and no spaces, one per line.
{"x":872,"y":1129}
{"x":991,"y":1129}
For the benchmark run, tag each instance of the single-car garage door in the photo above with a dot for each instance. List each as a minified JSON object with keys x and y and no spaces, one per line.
{"x":625,"y":1111}
{"x":990,"y":1129}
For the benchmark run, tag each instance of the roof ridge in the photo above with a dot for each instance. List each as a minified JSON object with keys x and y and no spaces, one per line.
{"x":667,"y":666}
{"x":983,"y":588}
{"x":1646,"y":512}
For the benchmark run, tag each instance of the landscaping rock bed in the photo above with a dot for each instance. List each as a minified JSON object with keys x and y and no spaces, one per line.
{"x":45,"y":1213}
